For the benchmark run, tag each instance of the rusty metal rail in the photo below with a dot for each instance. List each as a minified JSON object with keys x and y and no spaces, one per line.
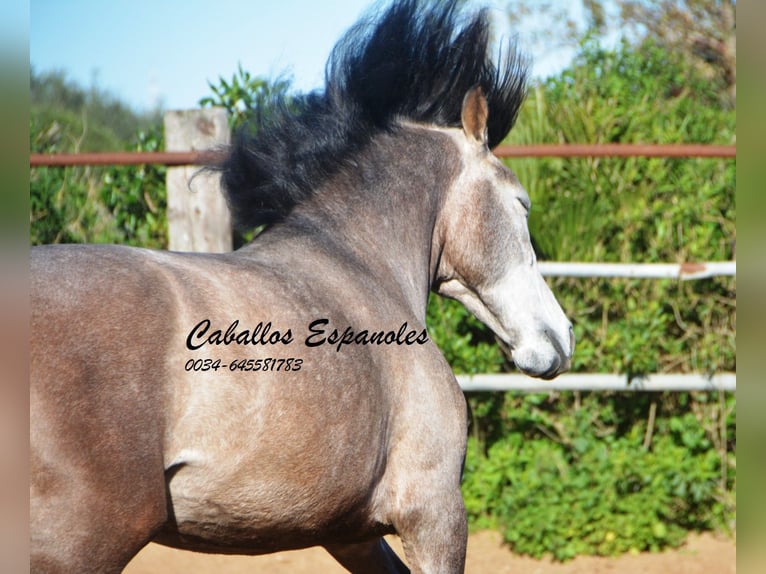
{"x":506,"y":151}
{"x":169,"y":158}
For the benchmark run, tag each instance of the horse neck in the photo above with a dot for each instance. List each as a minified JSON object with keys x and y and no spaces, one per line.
{"x":382,"y":210}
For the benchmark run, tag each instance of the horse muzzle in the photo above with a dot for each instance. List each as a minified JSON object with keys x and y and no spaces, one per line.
{"x":548,"y":356}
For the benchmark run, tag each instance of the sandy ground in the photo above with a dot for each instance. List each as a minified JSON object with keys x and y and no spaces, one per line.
{"x":703,"y":554}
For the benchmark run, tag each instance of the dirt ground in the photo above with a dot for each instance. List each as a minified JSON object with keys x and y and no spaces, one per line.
{"x":703,"y":554}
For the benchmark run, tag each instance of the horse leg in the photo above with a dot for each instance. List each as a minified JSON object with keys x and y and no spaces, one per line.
{"x":81,"y":527}
{"x":373,"y":557}
{"x":435,"y":535}
{"x":97,"y":487}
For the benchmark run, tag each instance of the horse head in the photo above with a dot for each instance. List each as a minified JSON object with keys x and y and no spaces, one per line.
{"x":486,"y":258}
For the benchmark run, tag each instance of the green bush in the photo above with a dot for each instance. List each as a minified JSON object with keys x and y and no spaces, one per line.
{"x":580,"y":473}
{"x":115,"y":204}
{"x":245,"y":96}
{"x":626,"y":210}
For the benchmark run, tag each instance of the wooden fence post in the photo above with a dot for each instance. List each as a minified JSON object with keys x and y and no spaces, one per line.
{"x":198,"y":217}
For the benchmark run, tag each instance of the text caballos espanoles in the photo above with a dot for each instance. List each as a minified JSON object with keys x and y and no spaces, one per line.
{"x":319,"y":332}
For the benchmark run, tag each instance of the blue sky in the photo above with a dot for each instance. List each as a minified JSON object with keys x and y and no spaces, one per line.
{"x":150,"y":52}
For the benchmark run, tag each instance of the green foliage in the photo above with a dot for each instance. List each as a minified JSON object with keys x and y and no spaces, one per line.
{"x":117,"y":204}
{"x":81,"y":120}
{"x":246,"y":96}
{"x":628,"y":210}
{"x":137,"y":197}
{"x":630,"y":96}
{"x":577,"y":475}
{"x":468,"y":346}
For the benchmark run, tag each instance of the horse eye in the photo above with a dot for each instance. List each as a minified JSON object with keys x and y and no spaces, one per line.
{"x":524,"y":203}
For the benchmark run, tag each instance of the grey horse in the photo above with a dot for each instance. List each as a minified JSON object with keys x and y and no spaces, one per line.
{"x":287,"y":394}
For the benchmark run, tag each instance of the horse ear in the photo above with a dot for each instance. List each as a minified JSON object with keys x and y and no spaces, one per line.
{"x":474,"y":115}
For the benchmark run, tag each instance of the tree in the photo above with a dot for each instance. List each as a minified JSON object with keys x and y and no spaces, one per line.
{"x":701,"y":31}
{"x":66,"y":117}
{"x":705,"y":31}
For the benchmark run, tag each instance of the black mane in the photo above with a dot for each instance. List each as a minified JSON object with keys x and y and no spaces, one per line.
{"x":415,"y":61}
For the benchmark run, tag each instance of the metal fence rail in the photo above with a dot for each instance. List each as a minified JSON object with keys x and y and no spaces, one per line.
{"x":617,"y":150}
{"x":600,"y":382}
{"x":542,"y":150}
{"x":169,"y":158}
{"x":639,"y":270}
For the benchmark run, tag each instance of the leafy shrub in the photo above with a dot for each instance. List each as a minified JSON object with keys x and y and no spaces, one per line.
{"x":468,"y":346}
{"x":627,"y":210}
{"x":245,"y":96}
{"x":575,"y":475}
{"x":115,"y":204}
{"x":635,"y":209}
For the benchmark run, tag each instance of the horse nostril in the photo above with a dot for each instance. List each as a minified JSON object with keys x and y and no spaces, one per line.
{"x":571,"y":340}
{"x":564,"y":361}
{"x":556,"y":342}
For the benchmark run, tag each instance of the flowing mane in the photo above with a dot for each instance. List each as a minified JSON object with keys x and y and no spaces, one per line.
{"x":415,"y":61}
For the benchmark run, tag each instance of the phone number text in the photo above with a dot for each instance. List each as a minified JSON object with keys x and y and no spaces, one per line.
{"x":254,"y":365}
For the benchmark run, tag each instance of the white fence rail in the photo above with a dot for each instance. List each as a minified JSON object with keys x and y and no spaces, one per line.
{"x":639,"y":270}
{"x":613,"y":382}
{"x":600,"y":382}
